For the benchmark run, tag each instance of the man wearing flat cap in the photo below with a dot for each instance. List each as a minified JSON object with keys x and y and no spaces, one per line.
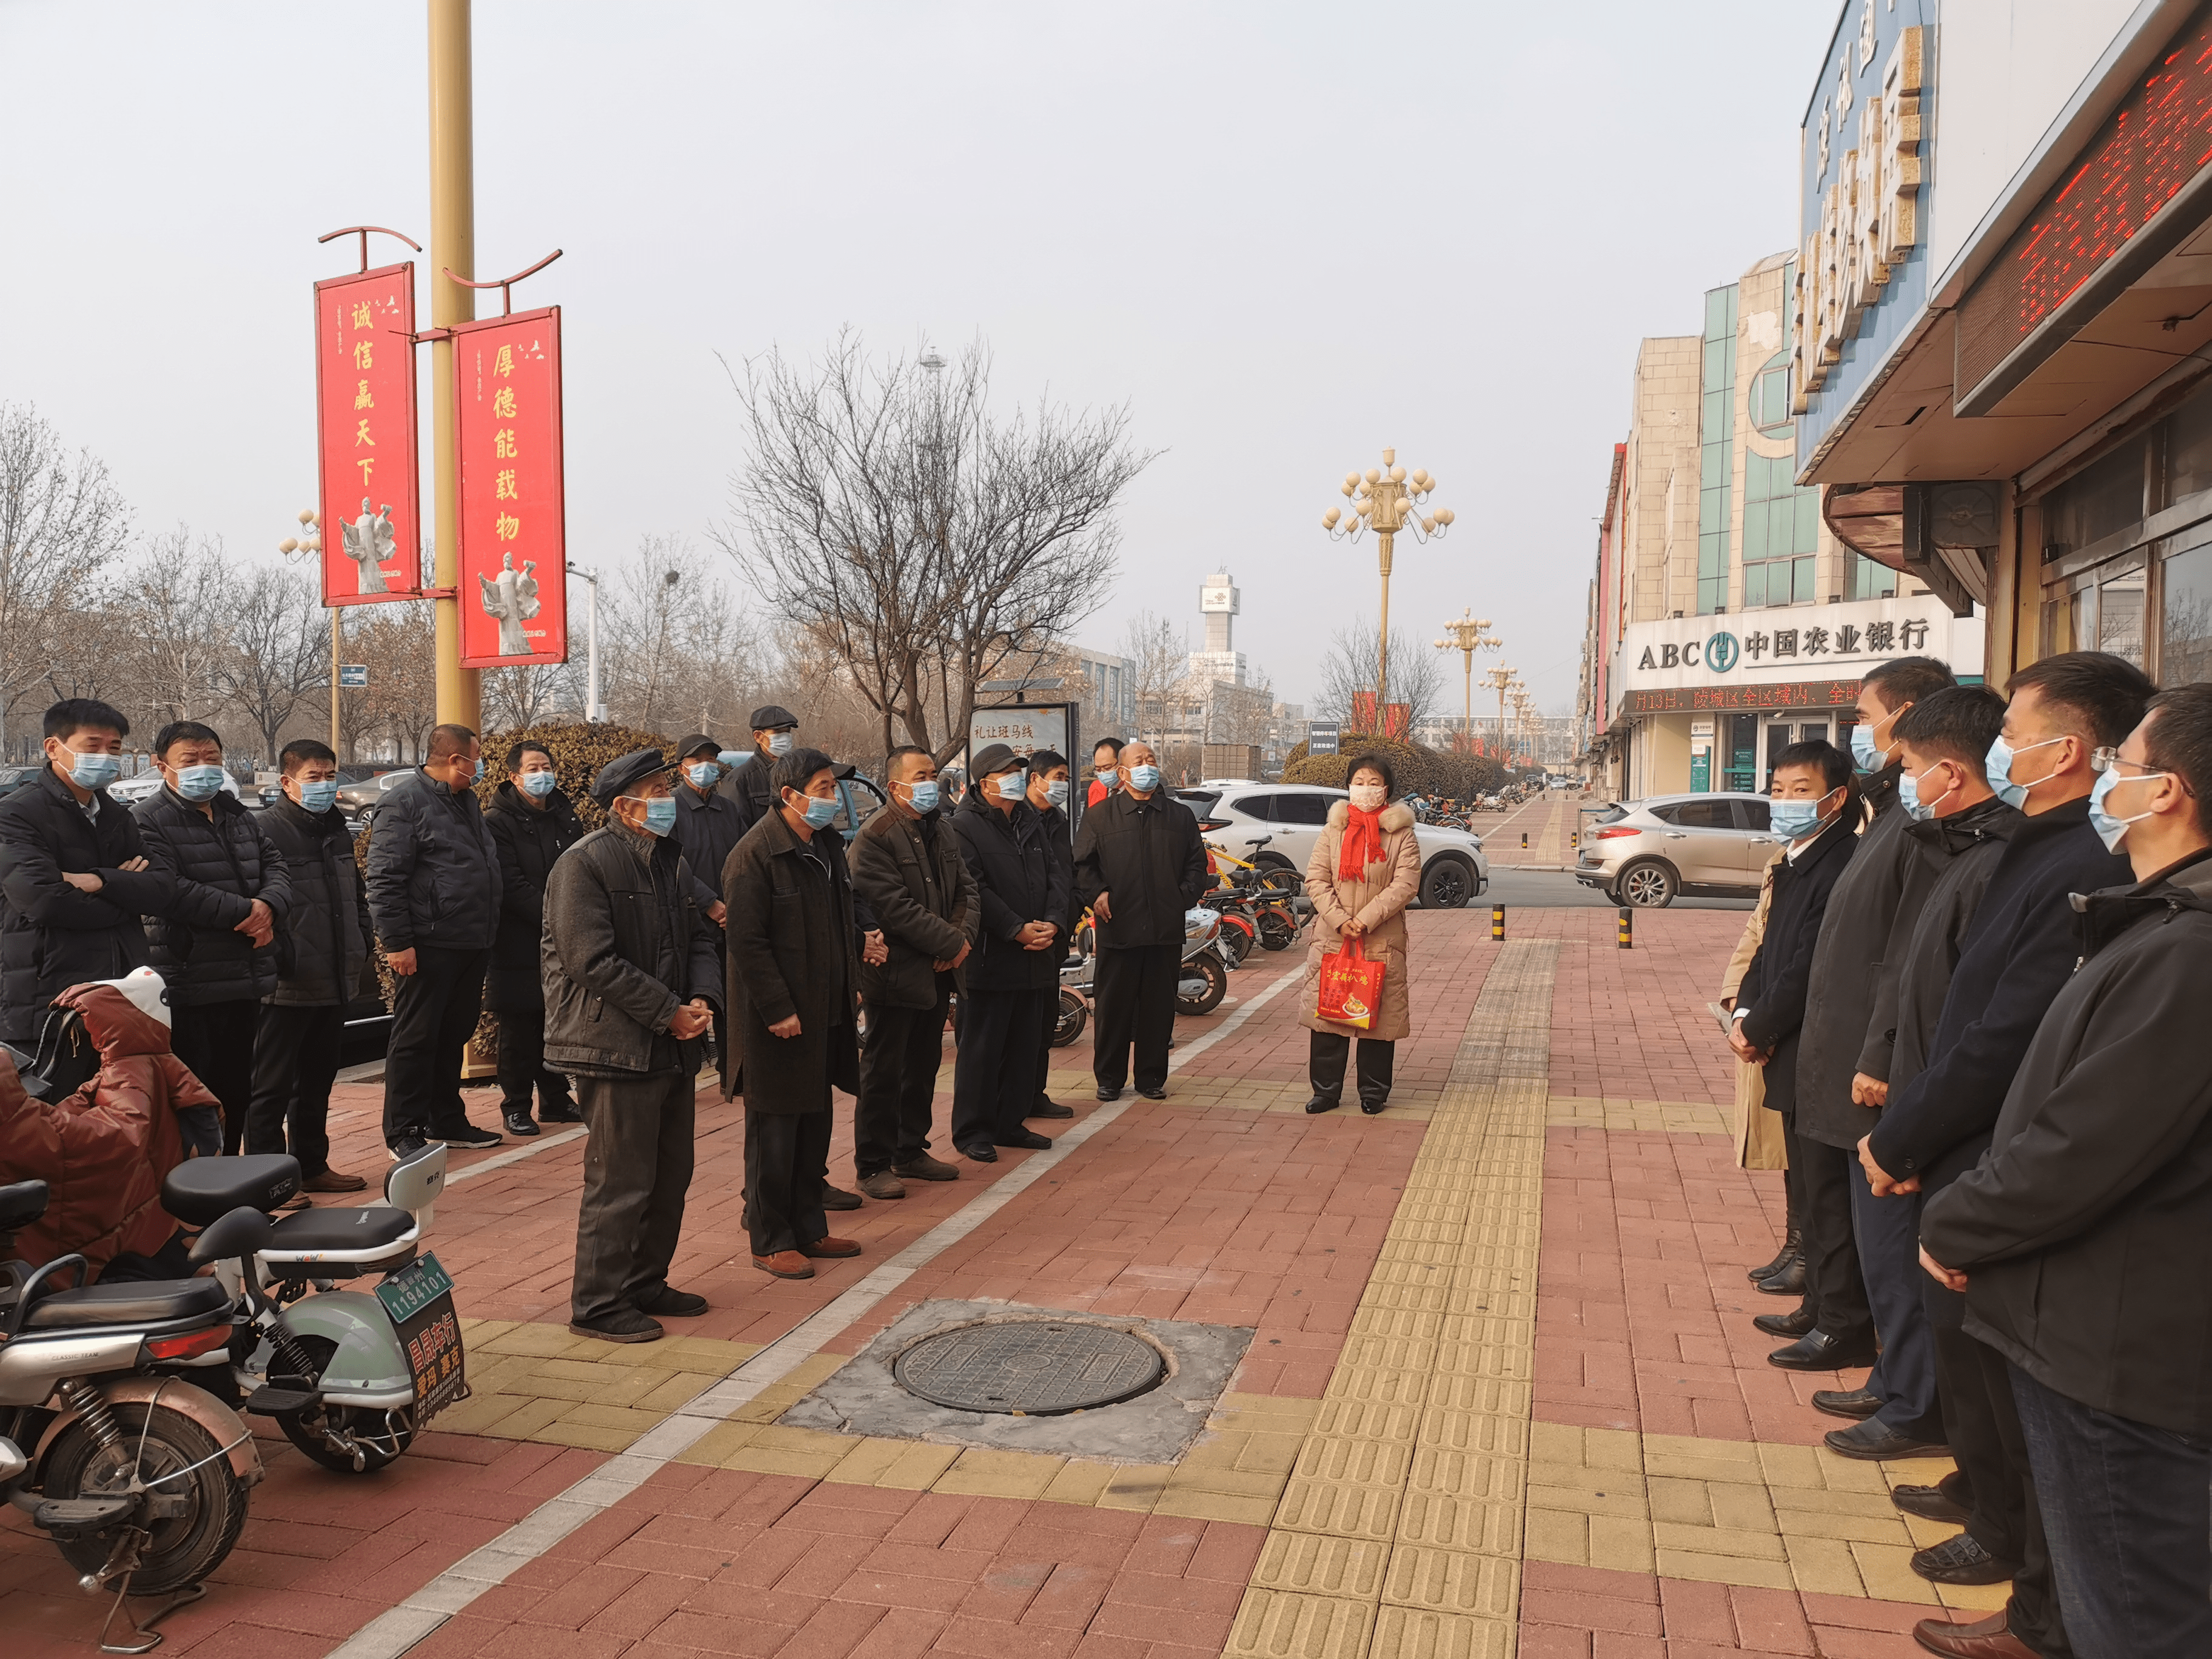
{"x":775,"y":733}
{"x":708,"y":825}
{"x":631,"y":990}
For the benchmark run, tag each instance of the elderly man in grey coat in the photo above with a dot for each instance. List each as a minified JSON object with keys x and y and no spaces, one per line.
{"x":632,"y":983}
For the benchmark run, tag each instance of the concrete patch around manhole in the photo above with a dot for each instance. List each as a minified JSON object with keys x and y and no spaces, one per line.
{"x":862,"y":1396}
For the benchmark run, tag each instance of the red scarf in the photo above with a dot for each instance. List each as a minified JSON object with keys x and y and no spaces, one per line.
{"x":1362,"y":841}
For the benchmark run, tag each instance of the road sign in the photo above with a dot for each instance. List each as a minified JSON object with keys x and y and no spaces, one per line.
{"x":353,"y":676}
{"x":1321,"y":737}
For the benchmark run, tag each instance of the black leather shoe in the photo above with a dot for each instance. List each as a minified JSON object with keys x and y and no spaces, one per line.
{"x":1860,"y":1403}
{"x":1783,"y":1258}
{"x":1372,"y":1107}
{"x":981,"y":1153}
{"x":1876,"y":1442}
{"x":559,"y":1115}
{"x":1154,"y":1094}
{"x":1792,"y":1280}
{"x":1929,"y":1503}
{"x":1104,"y":1093}
{"x":1049,"y":1108}
{"x":836,"y":1198}
{"x":1796,"y":1322}
{"x":1816,"y":1351}
{"x":1322,"y":1103}
{"x":669,"y":1303}
{"x":1960,"y":1560}
{"x":519,"y":1123}
{"x":1027,"y":1139}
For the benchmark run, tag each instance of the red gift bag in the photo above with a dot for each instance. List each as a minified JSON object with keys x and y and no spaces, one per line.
{"x":1351,"y":986}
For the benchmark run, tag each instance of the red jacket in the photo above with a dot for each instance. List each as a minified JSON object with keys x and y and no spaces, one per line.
{"x":103,"y":1151}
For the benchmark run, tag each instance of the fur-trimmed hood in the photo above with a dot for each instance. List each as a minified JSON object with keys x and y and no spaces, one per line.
{"x":1395,"y":817}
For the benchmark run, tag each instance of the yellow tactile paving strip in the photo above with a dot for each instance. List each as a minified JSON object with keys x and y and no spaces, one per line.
{"x":1674,"y":1117}
{"x":1400,"y":1532}
{"x":1734,"y":1513}
{"x":530,"y":1382}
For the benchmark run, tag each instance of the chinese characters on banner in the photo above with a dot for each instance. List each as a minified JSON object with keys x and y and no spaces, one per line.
{"x":365,"y":428}
{"x":506,"y":439}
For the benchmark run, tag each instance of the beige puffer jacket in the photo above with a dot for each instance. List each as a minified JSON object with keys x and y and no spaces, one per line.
{"x":1378,"y":900}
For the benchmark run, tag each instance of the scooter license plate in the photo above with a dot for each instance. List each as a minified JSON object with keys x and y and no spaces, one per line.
{"x":420,"y":1299}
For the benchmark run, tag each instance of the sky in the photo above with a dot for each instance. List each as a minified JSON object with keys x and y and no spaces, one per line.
{"x":1283,"y":234}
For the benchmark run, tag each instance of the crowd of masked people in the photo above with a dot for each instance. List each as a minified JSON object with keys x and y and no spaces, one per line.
{"x":715,"y":916}
{"x":1978,"y":992}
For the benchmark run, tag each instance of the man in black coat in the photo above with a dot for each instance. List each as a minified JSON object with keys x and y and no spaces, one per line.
{"x":629,"y":977}
{"x":708,"y":825}
{"x":1015,"y":966}
{"x":905,"y":862}
{"x":434,"y":892}
{"x":73,"y":877}
{"x":2079,"y":1239}
{"x":322,"y":947}
{"x":1139,"y":865}
{"x":1049,"y":799}
{"x":2019,"y":951}
{"x":1815,"y":814}
{"x":750,"y":781}
{"x":214,"y":941}
{"x":793,"y":978}
{"x":1960,"y":827}
{"x":531,"y":822}
{"x":1840,"y":1043}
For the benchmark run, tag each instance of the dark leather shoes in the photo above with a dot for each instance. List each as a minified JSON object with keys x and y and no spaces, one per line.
{"x":1860,"y":1403}
{"x":1816,"y":1351}
{"x":1154,"y":1094}
{"x":981,"y":1153}
{"x":1986,"y":1638}
{"x":669,"y":1303}
{"x":1875,"y":1441}
{"x":1783,"y":1258}
{"x":1796,"y":1322}
{"x":1105,"y":1093}
{"x":836,"y":1198}
{"x":1322,"y":1103}
{"x":831,"y":1247}
{"x":1027,"y":1139}
{"x":1790,"y":1281}
{"x":1960,"y":1560}
{"x":1046,"y":1107}
{"x":1929,"y":1502}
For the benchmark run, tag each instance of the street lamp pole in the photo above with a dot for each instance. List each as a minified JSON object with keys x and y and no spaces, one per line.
{"x":1387,"y":500}
{"x":452,"y":249}
{"x":592,"y":710}
{"x":1470,"y":633}
{"x":1500,"y":680}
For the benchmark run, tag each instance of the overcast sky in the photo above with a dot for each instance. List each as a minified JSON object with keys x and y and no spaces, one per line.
{"x":1285,"y":234}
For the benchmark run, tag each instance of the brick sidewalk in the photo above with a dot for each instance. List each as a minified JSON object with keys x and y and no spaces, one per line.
{"x":1666,"y":1497}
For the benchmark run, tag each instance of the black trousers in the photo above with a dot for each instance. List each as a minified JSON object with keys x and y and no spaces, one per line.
{"x":891,"y":1115}
{"x":216,"y":1039}
{"x":1325,"y":1056}
{"x":1982,"y":1424}
{"x":1831,"y":1257}
{"x":1886,"y":1232}
{"x":787,"y":1161}
{"x":434,"y":1014}
{"x":522,"y":1063}
{"x":994,"y":1072}
{"x":295,"y":1055}
{"x":637,"y":1170}
{"x":1047,"y":1028}
{"x":1135,"y":996}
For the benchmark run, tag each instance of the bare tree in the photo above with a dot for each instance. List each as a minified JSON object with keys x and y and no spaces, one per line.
{"x":1416,"y":674}
{"x":1159,"y":660}
{"x":61,"y":524}
{"x":182,"y":610}
{"x":516,"y":699}
{"x":278,"y":652}
{"x":399,"y":644}
{"x":923,"y":539}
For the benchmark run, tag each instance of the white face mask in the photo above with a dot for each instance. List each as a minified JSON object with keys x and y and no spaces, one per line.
{"x":1369,"y":797}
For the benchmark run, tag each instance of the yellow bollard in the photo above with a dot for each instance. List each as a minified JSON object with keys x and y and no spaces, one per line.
{"x":1498,"y":923}
{"x":1524,"y":841}
{"x":1627,"y":928}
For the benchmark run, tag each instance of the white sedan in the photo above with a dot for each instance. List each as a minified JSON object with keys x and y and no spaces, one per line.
{"x":1290,"y":816}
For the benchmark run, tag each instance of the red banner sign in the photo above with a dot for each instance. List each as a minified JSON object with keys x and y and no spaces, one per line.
{"x":507,"y":439}
{"x":365,"y":425}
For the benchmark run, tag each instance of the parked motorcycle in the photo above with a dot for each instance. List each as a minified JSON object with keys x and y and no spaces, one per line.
{"x":349,"y":1376}
{"x":1200,"y":987}
{"x":139,"y":1479}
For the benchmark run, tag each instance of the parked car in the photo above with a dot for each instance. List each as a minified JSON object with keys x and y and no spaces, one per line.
{"x":13,"y":778}
{"x":147,"y":785}
{"x":361,"y":788}
{"x":1454,"y":867}
{"x":1646,"y":852}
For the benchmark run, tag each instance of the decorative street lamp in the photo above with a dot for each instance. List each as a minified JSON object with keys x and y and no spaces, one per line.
{"x":312,"y":544}
{"x":1470,"y":633}
{"x":1387,"y":500}
{"x":1501,"y":680}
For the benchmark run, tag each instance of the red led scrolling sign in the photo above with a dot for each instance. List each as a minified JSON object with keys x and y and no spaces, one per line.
{"x":513,"y":539}
{"x":369,"y":493}
{"x":1780,"y":694}
{"x":2132,"y":197}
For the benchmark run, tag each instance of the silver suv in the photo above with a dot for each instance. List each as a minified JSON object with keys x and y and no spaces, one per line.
{"x":1646,"y":852}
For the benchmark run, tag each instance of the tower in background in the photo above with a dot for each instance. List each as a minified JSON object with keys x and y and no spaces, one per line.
{"x":1220,"y":661}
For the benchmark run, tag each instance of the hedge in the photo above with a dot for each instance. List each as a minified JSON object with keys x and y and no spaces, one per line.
{"x":1420,"y":770}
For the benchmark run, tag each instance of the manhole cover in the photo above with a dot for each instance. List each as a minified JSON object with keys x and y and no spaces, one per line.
{"x":1034,"y":1367}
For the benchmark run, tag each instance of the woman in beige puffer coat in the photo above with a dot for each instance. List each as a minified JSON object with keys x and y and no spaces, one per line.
{"x":1372,"y":905}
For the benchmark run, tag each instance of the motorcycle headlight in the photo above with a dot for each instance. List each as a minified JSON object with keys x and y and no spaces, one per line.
{"x":1201,"y":923}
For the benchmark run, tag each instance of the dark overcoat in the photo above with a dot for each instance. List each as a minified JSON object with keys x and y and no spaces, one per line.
{"x":528,"y":842}
{"x":792,"y":949}
{"x":924,"y":899}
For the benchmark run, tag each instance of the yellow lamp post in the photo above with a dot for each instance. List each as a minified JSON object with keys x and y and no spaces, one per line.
{"x":1470,"y":633}
{"x":1387,"y":500}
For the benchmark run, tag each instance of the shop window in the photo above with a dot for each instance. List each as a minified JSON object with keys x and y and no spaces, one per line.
{"x":2103,"y":498}
{"x":1742,"y":771}
{"x":2189,"y":447}
{"x":2185,"y":630}
{"x":2120,"y":615}
{"x":1770,"y":397}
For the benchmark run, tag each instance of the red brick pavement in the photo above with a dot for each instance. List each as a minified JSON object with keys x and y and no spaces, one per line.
{"x":1589,"y":1613}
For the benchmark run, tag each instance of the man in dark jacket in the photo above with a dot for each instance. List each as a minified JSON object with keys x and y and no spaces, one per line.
{"x":709,"y":824}
{"x":1015,"y":966}
{"x":1840,"y":1043}
{"x":214,"y":941}
{"x":73,"y":877}
{"x":434,"y":892}
{"x":2019,"y":953}
{"x":793,"y":975}
{"x":628,"y":968}
{"x":2078,"y":1238}
{"x":749,"y":781}
{"x":907,"y":862}
{"x":1815,"y":814}
{"x":1139,"y":865}
{"x":1960,"y":827}
{"x":531,"y":822}
{"x":322,"y":947}
{"x":1049,"y":799}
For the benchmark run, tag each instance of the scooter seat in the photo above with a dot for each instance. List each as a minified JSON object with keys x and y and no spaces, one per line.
{"x":202,"y":1190}
{"x":310,"y":1232}
{"x":127,"y":1301}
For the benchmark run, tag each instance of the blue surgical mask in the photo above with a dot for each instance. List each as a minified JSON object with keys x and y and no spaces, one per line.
{"x":1144,"y":779}
{"x":93,"y":771}
{"x":820,"y":809}
{"x":1012,"y":786}
{"x":703,"y":775}
{"x":1862,"y":750}
{"x":729,"y":757}
{"x":922,"y":797}
{"x":319,"y":796}
{"x":780,"y":743}
{"x":1999,"y":768}
{"x":1908,"y":797}
{"x":197,"y":783}
{"x":1793,"y":820}
{"x":660,"y":813}
{"x":2112,"y":830}
{"x":1056,"y":791}
{"x":540,"y":784}
{"x":1107,"y":774}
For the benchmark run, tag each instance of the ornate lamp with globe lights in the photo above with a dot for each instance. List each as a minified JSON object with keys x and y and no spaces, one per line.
{"x":1387,"y":500}
{"x":311,"y":545}
{"x":1469,"y":633}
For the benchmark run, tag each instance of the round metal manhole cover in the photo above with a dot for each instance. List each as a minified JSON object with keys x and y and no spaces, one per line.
{"x":1035,"y":1368}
